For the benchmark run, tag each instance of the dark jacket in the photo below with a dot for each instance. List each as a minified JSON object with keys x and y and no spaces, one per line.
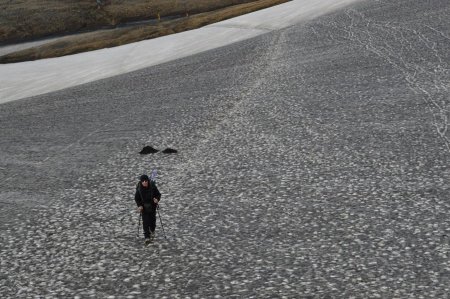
{"x":144,"y":197}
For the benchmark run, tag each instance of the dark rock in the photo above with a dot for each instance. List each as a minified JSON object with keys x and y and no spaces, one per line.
{"x":170,"y":151}
{"x":148,"y":150}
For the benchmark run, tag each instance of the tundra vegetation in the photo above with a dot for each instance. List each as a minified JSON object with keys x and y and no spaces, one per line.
{"x":107,"y":23}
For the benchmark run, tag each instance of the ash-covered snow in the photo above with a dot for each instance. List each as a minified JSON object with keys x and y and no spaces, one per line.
{"x":312,"y":161}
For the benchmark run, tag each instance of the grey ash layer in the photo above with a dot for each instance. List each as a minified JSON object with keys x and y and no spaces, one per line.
{"x":313,"y":162}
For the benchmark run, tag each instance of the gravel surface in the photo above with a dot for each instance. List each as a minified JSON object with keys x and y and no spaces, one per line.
{"x":313,"y":162}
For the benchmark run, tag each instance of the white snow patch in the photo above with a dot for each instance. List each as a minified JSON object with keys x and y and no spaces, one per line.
{"x":25,"y":79}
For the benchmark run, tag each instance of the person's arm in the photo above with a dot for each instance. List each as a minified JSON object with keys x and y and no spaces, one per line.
{"x":156,"y":195}
{"x":138,"y":200}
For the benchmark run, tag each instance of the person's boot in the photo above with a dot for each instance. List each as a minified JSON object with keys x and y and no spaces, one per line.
{"x":147,"y":241}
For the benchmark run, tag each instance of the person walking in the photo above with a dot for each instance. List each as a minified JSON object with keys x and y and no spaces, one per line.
{"x":147,"y":198}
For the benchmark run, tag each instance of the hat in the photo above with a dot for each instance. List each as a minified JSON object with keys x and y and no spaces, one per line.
{"x":144,"y":177}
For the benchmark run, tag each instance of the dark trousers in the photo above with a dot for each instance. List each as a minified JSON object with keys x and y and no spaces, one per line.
{"x":149,"y":223}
